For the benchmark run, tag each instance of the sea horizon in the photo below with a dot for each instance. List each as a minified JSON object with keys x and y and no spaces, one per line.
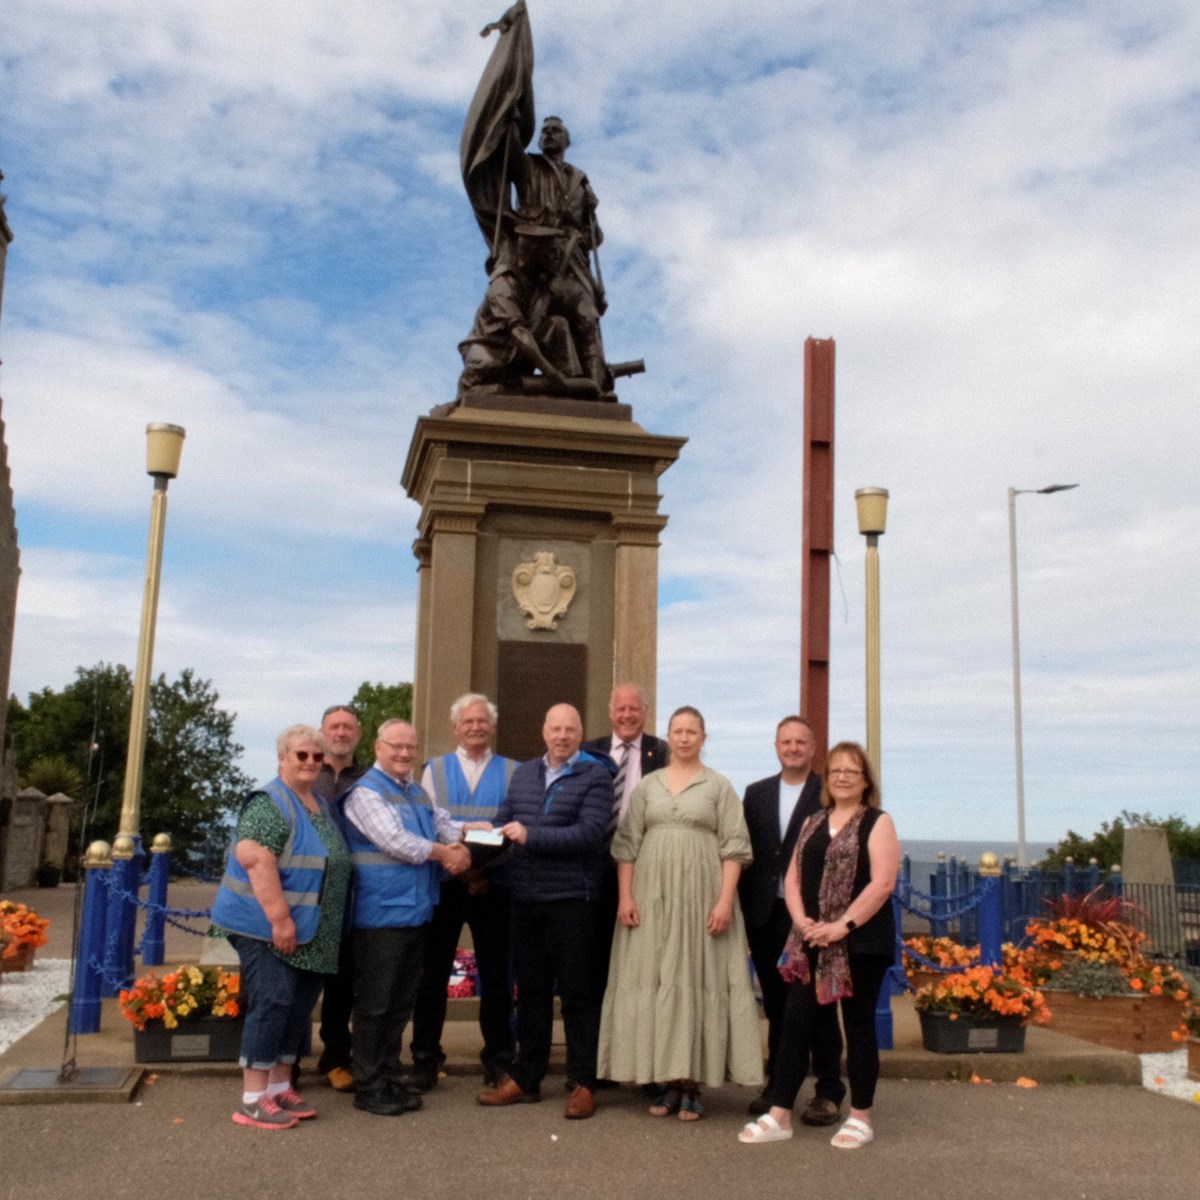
{"x":925,"y":850}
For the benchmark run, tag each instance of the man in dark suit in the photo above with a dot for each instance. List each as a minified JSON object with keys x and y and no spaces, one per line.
{"x":775,"y":809}
{"x":636,"y":753}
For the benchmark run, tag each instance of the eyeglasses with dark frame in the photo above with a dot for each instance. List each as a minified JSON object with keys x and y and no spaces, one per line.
{"x":318,"y":756}
{"x":844,"y":772}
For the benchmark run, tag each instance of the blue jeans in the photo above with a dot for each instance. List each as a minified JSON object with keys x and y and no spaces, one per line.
{"x":278,"y":1001}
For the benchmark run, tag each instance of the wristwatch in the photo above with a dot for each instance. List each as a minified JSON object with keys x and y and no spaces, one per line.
{"x":851,"y":926}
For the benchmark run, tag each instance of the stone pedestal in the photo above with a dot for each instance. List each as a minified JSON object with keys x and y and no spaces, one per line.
{"x":538,"y":561}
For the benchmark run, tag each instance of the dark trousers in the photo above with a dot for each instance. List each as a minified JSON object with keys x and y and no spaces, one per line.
{"x":337,"y":1003}
{"x":807,"y":1025}
{"x":488,"y":915}
{"x":387,"y":972}
{"x":606,"y":924}
{"x":553,"y":942}
{"x":766,"y":945}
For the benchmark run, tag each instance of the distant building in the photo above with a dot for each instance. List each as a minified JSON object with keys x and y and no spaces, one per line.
{"x":10,"y":570}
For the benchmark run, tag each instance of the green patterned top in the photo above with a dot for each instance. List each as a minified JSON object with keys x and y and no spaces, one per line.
{"x":263,"y":823}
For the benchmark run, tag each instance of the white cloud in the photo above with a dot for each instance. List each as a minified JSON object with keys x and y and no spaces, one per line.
{"x":249,"y":221}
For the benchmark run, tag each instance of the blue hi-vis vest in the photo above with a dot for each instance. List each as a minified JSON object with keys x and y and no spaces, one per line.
{"x":301,"y":865}
{"x":390,"y":894}
{"x":451,"y":789}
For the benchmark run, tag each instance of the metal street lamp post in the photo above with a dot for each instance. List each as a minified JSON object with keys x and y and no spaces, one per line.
{"x":872,"y":521}
{"x":164,"y":445}
{"x":1013,"y":493}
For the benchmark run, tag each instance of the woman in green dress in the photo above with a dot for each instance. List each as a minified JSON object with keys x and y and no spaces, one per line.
{"x":281,"y":904}
{"x":679,"y":1012}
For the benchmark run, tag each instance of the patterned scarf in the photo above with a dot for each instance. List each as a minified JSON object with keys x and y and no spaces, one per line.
{"x":834,"y":896}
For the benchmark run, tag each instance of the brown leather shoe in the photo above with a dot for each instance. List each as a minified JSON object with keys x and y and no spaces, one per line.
{"x":581,"y":1104}
{"x":507,"y":1091}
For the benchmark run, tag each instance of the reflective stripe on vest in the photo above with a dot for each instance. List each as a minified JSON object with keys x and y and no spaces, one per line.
{"x":301,"y":865}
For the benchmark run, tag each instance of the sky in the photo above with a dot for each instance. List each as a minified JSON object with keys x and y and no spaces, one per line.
{"x":249,"y":220}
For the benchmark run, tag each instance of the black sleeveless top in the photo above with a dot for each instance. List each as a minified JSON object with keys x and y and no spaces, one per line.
{"x":876,"y":936}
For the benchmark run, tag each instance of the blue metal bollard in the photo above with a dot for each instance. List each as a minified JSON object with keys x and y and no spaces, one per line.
{"x":991,"y":915}
{"x":1093,"y":874}
{"x":1068,"y":876}
{"x":85,"y":1001}
{"x":154,"y":937}
{"x":895,"y":983}
{"x":1116,"y":880}
{"x":122,"y":915}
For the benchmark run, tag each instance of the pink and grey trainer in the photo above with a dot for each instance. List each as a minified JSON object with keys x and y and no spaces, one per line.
{"x":265,"y":1114}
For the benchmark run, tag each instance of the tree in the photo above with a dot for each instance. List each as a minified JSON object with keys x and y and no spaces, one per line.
{"x":190,"y":781}
{"x":379,"y":702}
{"x":53,"y":774}
{"x":1107,"y":846}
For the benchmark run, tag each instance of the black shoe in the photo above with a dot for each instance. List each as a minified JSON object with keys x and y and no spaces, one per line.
{"x":384,"y":1102}
{"x":424,"y":1074}
{"x":406,"y":1096}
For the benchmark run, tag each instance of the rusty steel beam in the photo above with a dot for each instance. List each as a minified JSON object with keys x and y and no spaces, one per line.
{"x":818,"y":537}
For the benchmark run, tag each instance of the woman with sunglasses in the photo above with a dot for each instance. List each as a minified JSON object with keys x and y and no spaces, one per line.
{"x":281,"y":904}
{"x":838,"y":890}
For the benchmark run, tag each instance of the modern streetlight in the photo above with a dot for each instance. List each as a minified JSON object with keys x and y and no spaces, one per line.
{"x":1013,"y":493}
{"x":872,"y":521}
{"x":164,"y":446}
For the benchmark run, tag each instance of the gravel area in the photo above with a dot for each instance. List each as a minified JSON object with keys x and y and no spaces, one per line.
{"x":27,"y":997}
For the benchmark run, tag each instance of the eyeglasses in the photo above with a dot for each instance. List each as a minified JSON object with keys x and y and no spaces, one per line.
{"x":398,"y":746}
{"x":844,"y":772}
{"x":318,"y":756}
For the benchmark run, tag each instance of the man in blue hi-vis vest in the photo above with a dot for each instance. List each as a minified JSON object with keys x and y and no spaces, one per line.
{"x":470,"y":784}
{"x":400,"y":845}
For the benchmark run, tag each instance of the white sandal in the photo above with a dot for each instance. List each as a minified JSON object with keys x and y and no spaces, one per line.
{"x":765,"y":1129}
{"x":853,"y":1135}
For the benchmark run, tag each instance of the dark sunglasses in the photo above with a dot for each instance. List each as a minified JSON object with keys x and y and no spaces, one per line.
{"x":318,"y":756}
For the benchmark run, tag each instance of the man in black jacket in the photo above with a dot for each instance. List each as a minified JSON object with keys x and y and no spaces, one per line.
{"x":776,"y":808}
{"x":556,"y":814}
{"x":635,"y":754}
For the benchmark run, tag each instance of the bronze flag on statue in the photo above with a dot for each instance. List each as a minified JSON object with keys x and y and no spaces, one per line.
{"x":500,"y":122}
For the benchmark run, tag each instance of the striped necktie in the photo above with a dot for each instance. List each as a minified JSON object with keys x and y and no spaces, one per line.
{"x":619,"y":785}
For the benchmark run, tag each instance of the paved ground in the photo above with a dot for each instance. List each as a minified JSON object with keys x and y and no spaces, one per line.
{"x":936,"y":1138}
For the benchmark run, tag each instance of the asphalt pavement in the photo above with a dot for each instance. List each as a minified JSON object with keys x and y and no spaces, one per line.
{"x":937,"y":1133}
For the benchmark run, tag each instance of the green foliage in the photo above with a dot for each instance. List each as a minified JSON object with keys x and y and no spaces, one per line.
{"x":376,"y":703}
{"x":190,"y":781}
{"x":52,"y":774}
{"x":1183,"y":841}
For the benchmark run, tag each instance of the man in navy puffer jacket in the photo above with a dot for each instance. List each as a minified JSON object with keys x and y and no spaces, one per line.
{"x":556,"y":813}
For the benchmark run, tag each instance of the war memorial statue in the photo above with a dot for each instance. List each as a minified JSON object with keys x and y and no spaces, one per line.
{"x":545,"y":294}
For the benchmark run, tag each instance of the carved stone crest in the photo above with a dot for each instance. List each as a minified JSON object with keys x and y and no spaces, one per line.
{"x":544,"y":590}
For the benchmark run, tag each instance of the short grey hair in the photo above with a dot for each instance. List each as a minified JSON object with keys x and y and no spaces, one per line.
{"x":389,"y":723}
{"x":456,"y":709}
{"x":300,"y":734}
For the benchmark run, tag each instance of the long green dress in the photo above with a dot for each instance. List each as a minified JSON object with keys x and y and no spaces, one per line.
{"x":679,"y":1004}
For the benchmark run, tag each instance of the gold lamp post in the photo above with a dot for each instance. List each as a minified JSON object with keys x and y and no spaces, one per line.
{"x":872,"y":521}
{"x":164,"y":445}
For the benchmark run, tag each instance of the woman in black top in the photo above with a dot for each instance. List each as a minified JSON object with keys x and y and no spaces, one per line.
{"x":838,"y":890}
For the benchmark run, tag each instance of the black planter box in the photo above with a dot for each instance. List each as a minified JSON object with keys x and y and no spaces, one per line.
{"x":206,"y":1039}
{"x":970,"y":1035}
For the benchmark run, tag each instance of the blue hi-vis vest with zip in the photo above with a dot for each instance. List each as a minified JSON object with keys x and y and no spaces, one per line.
{"x":390,"y":894}
{"x":451,"y":789}
{"x":301,"y":865}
